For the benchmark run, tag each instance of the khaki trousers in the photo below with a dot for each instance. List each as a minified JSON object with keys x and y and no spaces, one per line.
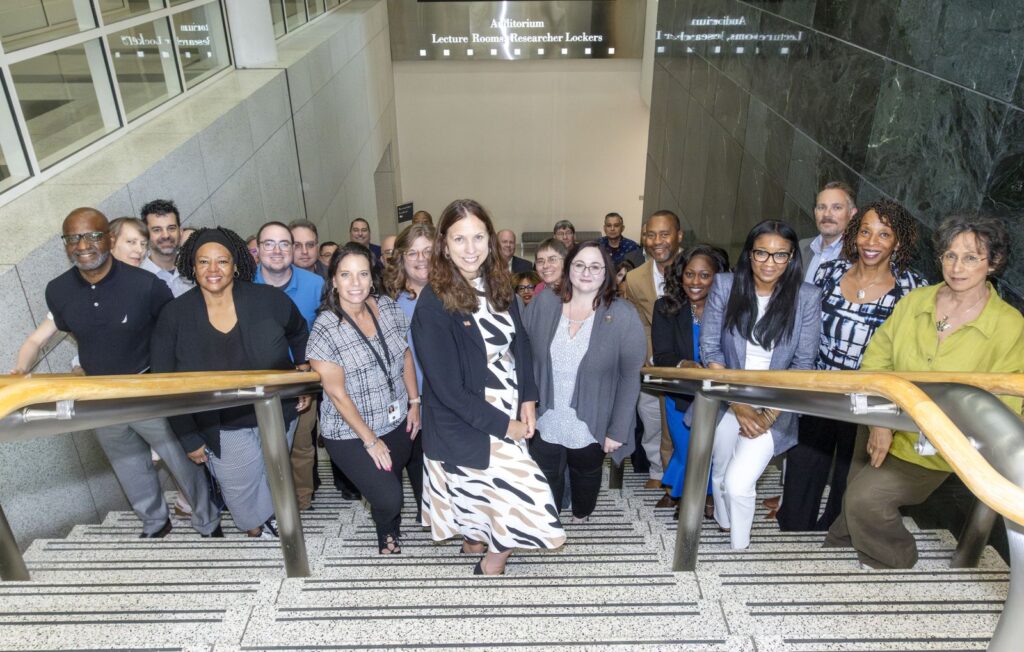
{"x":302,"y":455}
{"x":871,"y":521}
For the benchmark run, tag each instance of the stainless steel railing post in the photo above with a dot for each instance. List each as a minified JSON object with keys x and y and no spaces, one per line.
{"x":1010,"y":630}
{"x":12,"y":565}
{"x":974,"y":536}
{"x":695,"y":484}
{"x":279,"y":474}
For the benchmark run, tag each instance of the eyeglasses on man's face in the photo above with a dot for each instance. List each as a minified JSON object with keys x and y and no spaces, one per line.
{"x":524,"y":288}
{"x":270,"y":245}
{"x":91,"y":237}
{"x":778,"y":257}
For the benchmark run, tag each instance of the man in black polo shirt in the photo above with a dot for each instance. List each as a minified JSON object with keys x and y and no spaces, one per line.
{"x":111,"y":309}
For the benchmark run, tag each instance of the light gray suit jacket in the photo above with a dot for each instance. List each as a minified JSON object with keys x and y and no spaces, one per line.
{"x":608,"y":379}
{"x":806,"y":253}
{"x":729,"y":348}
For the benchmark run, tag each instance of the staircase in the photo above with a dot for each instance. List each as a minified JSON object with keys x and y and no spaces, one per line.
{"x":609,"y":588}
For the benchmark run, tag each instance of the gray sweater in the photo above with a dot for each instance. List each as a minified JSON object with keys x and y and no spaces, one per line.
{"x":608,"y":381}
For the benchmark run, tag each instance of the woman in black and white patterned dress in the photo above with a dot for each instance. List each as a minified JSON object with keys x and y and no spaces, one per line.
{"x":479,"y":400}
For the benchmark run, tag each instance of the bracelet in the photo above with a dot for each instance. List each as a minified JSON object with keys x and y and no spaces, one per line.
{"x":371,"y":444}
{"x":415,"y":401}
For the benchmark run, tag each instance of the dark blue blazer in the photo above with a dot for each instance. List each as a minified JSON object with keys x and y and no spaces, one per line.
{"x":458,"y":421}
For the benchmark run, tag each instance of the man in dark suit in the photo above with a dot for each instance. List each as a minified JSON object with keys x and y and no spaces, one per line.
{"x":507,"y":243}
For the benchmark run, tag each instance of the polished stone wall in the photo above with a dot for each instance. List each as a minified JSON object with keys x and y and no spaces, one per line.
{"x":918,"y":100}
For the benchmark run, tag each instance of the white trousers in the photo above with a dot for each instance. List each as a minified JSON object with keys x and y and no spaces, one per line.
{"x":649,"y":407}
{"x":736,"y":464}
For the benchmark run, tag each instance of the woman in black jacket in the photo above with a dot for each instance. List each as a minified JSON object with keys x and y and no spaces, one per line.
{"x":479,"y":399}
{"x":227,"y":323}
{"x":675,"y":341}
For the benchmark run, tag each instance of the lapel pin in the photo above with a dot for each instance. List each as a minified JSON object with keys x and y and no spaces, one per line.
{"x":466,"y":323}
{"x":608,"y":319}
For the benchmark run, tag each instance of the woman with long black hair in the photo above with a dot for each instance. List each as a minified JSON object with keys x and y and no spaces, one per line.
{"x":762,"y":316}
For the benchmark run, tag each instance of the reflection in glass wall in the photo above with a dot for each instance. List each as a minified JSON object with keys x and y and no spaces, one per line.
{"x":314,"y":8}
{"x":331,"y":4}
{"x":115,"y":10}
{"x":13,"y":167}
{"x":24,"y":23}
{"x":144,"y":65}
{"x":277,"y":16}
{"x":201,"y":42}
{"x":66,"y":99}
{"x":295,"y":13}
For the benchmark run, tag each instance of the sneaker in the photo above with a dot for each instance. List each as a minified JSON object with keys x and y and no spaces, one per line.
{"x":266,"y":534}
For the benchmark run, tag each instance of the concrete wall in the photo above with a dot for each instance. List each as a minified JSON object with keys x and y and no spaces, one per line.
{"x":533,"y":141}
{"x":300,"y":140}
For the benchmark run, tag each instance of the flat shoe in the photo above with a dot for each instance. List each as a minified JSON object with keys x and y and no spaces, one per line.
{"x":652,"y":484}
{"x":159,"y":534}
{"x":772,"y":503}
{"x":665,"y":501}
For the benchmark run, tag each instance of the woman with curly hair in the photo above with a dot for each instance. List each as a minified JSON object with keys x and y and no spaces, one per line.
{"x":858,"y":292}
{"x":675,"y":342}
{"x":228,"y":323}
{"x":479,"y":399}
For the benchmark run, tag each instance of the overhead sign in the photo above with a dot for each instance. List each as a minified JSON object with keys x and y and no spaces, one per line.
{"x":512,"y":31}
{"x":405,"y":212}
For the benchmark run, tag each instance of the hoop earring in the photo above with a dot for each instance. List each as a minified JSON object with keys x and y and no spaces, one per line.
{"x":236,"y":273}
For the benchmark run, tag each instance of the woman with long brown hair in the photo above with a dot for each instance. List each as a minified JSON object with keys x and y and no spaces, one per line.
{"x":480,"y":399}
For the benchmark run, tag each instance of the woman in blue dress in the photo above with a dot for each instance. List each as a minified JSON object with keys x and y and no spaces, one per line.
{"x":675,"y":338}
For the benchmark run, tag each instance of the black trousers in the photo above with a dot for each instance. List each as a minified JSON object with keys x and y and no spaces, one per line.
{"x":382,"y":489}
{"x":414,"y":468}
{"x":807,"y":468}
{"x":584,"y":472}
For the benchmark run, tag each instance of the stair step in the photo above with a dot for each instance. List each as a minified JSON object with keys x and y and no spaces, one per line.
{"x":417,"y":623}
{"x":884,"y":643}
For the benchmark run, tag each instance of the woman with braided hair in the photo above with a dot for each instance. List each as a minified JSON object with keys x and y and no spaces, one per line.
{"x":228,"y":323}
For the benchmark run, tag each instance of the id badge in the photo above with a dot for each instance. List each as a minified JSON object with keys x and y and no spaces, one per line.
{"x":394,"y":412}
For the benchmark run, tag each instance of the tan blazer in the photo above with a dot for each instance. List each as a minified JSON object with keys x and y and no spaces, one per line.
{"x":640,"y":291}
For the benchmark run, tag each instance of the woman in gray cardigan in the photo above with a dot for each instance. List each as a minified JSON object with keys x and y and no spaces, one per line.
{"x":588,"y":348}
{"x":762,"y":317}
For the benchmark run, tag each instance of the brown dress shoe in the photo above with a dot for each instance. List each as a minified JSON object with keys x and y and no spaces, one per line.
{"x":666,"y":501}
{"x":652,"y":484}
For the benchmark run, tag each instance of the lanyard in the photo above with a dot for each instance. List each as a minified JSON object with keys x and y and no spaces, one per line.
{"x":383,"y":346}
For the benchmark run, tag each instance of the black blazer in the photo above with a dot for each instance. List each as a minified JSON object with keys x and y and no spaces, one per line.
{"x":672,"y":340}
{"x":271,"y":327}
{"x":521,"y":265}
{"x":458,"y":421}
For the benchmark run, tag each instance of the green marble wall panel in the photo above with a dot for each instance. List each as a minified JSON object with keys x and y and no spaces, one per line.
{"x":918,"y":100}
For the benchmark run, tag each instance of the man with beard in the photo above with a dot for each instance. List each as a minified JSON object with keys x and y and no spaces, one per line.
{"x":643,"y":286}
{"x":835,"y":205}
{"x":164,"y":224}
{"x":507,"y":244}
{"x":111,"y":309}
{"x":274,"y":240}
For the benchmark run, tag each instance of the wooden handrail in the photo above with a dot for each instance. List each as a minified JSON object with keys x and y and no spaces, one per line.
{"x":30,"y":390}
{"x":984,"y":481}
{"x":999,"y":384}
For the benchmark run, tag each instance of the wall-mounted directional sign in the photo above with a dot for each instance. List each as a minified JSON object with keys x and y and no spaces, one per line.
{"x":511,"y":31}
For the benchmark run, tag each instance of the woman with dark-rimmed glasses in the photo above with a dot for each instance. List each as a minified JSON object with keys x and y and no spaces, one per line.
{"x":760,"y":317}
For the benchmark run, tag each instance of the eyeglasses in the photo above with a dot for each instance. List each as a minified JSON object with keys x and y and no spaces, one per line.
{"x":778,"y":257}
{"x":594,"y":268}
{"x":91,"y":237}
{"x":412,"y":254}
{"x":270,"y":245}
{"x":550,"y":260}
{"x":523,"y":288}
{"x":969,"y":261}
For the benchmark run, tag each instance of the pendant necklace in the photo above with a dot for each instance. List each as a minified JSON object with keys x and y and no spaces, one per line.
{"x":863,"y":292}
{"x":693,"y":314}
{"x":943,"y":324}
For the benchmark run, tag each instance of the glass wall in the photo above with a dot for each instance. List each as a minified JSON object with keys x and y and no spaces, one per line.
{"x":202,"y":45}
{"x":289,"y":15}
{"x":74,"y":71}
